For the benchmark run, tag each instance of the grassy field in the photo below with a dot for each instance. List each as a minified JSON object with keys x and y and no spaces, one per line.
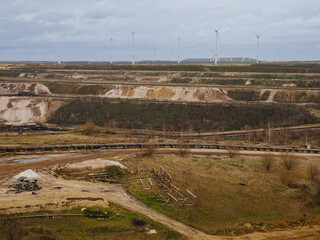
{"x":119,"y":224}
{"x":39,"y":139}
{"x":231,"y":192}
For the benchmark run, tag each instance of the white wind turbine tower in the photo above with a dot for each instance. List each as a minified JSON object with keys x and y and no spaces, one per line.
{"x":179,"y":48}
{"x":217,"y":39}
{"x":258,"y":45}
{"x":59,"y":55}
{"x":111,"y":48}
{"x":133,"y":33}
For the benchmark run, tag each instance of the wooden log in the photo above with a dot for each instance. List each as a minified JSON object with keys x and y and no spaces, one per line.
{"x":141,"y":182}
{"x":175,"y":187}
{"x":172,"y":197}
{"x":194,"y":196}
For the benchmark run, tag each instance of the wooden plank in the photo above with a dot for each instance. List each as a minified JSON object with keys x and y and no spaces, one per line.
{"x":194,"y":196}
{"x":141,"y":182}
{"x":172,"y":197}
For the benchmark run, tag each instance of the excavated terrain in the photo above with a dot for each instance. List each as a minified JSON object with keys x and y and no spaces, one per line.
{"x":188,"y":94}
{"x":23,"y":110}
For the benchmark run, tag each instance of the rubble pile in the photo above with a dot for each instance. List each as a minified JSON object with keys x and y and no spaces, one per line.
{"x":25,"y":184}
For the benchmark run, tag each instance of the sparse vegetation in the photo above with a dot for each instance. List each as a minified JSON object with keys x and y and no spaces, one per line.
{"x":77,"y":89}
{"x":177,"y":116}
{"x":230,"y":191}
{"x":11,"y":228}
{"x":118,"y":224}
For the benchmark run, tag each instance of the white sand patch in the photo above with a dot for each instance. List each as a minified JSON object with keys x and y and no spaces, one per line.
{"x":97,"y":163}
{"x":15,"y":88}
{"x":19,"y":111}
{"x":29,"y":175}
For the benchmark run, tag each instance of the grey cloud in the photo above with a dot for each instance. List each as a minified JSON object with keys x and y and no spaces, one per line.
{"x":83,"y":28}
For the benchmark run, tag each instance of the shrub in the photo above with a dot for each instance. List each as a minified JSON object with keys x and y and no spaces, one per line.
{"x":290,"y":179}
{"x":138,"y":222}
{"x":288,"y":161}
{"x":313,"y":171}
{"x":149,"y":150}
{"x":268,"y":161}
{"x":232,"y":152}
{"x":183,"y":148}
{"x":89,"y":128}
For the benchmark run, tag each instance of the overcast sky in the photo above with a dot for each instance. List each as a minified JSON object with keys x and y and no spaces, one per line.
{"x":81,"y":29}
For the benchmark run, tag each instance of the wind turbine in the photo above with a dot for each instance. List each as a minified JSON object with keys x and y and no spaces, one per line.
{"x":179,"y":48}
{"x":133,"y":33}
{"x":111,"y":45}
{"x":258,"y":45}
{"x":59,"y":54}
{"x":217,"y":39}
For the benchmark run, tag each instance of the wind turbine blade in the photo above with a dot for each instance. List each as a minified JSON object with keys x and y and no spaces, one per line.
{"x":263,"y":33}
{"x":255,"y":34}
{"x":128,"y":29}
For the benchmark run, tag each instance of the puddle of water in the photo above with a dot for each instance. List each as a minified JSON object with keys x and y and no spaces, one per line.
{"x":27,"y":160}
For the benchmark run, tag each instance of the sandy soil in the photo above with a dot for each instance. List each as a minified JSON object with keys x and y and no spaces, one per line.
{"x":15,"y":88}
{"x":18,"y":111}
{"x":97,"y":163}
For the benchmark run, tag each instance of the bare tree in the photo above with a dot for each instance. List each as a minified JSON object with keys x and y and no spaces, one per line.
{"x":149,"y":150}
{"x":268,"y":161}
{"x":183,"y":147}
{"x":289,"y":161}
{"x":313,"y":171}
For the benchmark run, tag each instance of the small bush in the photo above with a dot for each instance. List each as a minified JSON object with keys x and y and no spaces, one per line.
{"x":183,"y":148}
{"x":138,"y":222}
{"x":232,"y":152}
{"x":89,"y":128}
{"x":290,"y":179}
{"x":313,"y":171}
{"x":288,"y":161}
{"x":149,"y":150}
{"x":268,"y":161}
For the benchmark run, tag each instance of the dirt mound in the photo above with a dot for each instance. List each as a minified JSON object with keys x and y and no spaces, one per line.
{"x":19,"y":111}
{"x":98,"y":163}
{"x":28,"y":174}
{"x":190,"y":94}
{"x":15,"y":88}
